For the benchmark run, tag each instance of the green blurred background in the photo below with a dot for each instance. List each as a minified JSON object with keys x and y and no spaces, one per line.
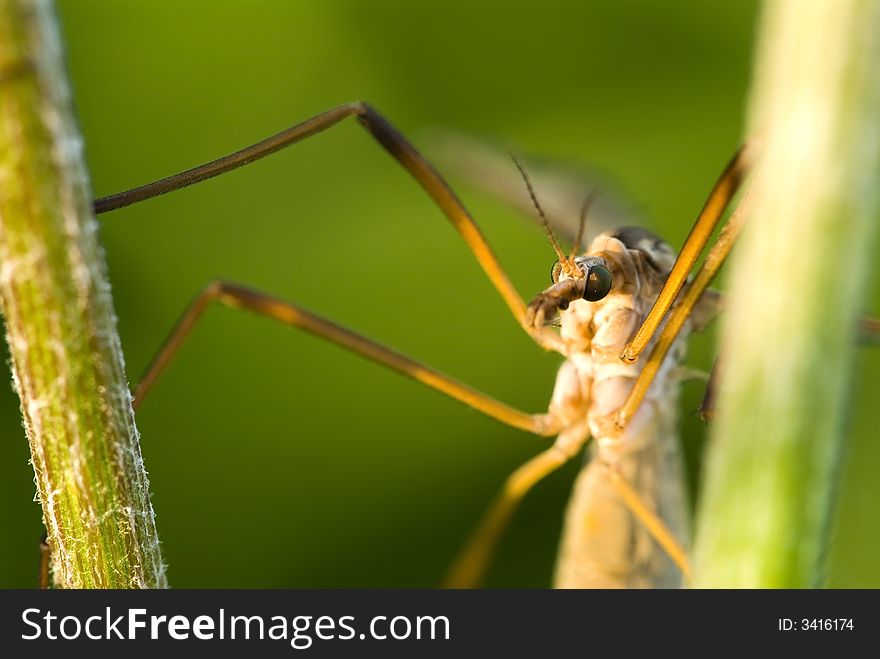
{"x":279,"y":460}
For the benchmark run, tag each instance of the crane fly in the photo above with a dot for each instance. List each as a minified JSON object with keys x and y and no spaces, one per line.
{"x":627,"y":518}
{"x":626,"y":523}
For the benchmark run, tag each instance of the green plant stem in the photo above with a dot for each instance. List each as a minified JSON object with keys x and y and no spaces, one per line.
{"x":797,"y":285}
{"x":66,"y":356}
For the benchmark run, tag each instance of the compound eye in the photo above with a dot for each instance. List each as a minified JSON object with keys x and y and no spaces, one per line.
{"x":555,"y":271}
{"x":598,"y":283}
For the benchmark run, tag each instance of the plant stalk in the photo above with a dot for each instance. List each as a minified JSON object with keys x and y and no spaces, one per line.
{"x":65,"y":351}
{"x":797,"y":283}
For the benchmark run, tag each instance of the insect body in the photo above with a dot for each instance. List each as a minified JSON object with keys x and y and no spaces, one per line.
{"x":604,"y":544}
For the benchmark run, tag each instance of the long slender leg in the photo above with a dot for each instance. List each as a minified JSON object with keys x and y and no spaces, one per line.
{"x":682,"y":310}
{"x":719,"y":198}
{"x":470,"y":566}
{"x":240,"y":297}
{"x":649,"y":519}
{"x":396,"y":145}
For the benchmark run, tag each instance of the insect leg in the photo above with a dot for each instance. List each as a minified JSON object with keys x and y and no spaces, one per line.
{"x":396,"y":145}
{"x":694,"y":244}
{"x":679,"y":314}
{"x":236,"y":296}
{"x":651,"y":521}
{"x":470,"y":566}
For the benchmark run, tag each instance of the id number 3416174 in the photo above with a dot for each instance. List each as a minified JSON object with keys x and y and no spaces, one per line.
{"x":815,"y":624}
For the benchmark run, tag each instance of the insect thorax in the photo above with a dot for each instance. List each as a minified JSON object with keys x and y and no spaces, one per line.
{"x":597,"y":332}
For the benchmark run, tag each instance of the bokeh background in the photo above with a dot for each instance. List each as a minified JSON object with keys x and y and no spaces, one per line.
{"x":278,"y":460}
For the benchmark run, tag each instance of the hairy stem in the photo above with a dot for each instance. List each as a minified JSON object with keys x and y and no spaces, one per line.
{"x":66,"y":356}
{"x":797,"y":285}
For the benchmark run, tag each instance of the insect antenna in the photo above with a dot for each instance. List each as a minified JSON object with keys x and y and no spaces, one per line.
{"x":563,"y":260}
{"x":591,"y":197}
